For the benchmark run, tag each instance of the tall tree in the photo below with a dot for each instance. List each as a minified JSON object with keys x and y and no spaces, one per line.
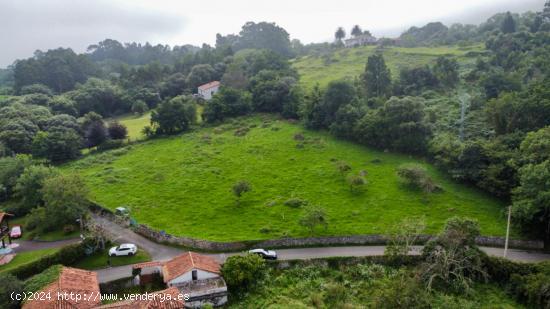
{"x":340,"y":34}
{"x":356,"y":31}
{"x":377,"y":77}
{"x":508,"y":24}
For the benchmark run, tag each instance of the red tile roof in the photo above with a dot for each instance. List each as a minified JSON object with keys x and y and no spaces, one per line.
{"x":173,"y":301}
{"x":186,"y":262}
{"x":70,"y":280}
{"x":209,"y":85}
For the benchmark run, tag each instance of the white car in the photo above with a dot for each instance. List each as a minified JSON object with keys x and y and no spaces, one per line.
{"x":123,"y":249}
{"x":265,"y":254}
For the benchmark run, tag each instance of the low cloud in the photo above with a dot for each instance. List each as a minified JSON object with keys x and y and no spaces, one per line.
{"x":34,"y":24}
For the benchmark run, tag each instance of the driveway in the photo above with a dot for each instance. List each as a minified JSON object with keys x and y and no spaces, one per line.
{"x":31,"y":245}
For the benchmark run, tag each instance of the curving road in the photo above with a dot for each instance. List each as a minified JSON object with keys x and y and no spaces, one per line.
{"x":161,"y":252}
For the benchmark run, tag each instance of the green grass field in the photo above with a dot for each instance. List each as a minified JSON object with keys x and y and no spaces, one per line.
{"x":27,"y":257}
{"x":182,"y":185}
{"x":350,"y":62}
{"x":134,"y":124}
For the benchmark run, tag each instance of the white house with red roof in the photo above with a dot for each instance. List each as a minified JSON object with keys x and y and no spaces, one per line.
{"x":207,"y":91}
{"x":198,"y":276}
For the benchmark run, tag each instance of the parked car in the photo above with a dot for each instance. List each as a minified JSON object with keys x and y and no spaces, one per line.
{"x":16,"y":231}
{"x":123,"y":250}
{"x":265,"y":254}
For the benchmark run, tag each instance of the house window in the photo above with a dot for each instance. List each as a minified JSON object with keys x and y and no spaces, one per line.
{"x":194,"y":275}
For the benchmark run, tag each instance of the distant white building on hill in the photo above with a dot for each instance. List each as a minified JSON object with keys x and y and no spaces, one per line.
{"x":206,"y":91}
{"x":360,"y":40}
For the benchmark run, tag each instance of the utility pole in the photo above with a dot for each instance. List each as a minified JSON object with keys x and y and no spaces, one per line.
{"x":507,"y":231}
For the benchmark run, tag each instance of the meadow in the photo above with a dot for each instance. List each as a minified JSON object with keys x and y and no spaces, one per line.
{"x":134,"y":123}
{"x":350,"y":63}
{"x":183,"y":184}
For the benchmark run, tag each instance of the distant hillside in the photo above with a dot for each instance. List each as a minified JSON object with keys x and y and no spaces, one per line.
{"x":350,"y":62}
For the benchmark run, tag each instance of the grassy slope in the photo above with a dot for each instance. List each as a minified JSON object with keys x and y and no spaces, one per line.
{"x":350,"y":63}
{"x":183,"y":185}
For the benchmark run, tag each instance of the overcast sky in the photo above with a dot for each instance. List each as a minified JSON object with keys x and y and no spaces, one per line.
{"x":27,"y":25}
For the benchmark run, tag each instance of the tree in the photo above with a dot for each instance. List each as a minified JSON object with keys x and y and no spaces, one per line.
{"x":264,"y":35}
{"x":356,"y":181}
{"x":356,"y":31}
{"x":446,"y":71}
{"x":9,"y":286}
{"x":139,"y":107}
{"x":271,"y":92}
{"x":96,"y":134}
{"x":452,"y":259}
{"x":377,"y":77}
{"x":100,"y":96}
{"x":228,"y":102}
{"x":508,"y":24}
{"x":313,"y":217}
{"x":240,"y":188}
{"x":399,"y":124}
{"x":200,"y":74}
{"x":36,"y":88}
{"x":343,"y":167}
{"x":242,"y":272}
{"x":340,"y":34}
{"x":404,"y":236}
{"x":117,"y":130}
{"x":531,"y":200}
{"x":10,"y":170}
{"x":173,"y":116}
{"x":29,"y":187}
{"x":173,"y":86}
{"x":65,"y":200}
{"x":416,"y":175}
{"x":58,"y":144}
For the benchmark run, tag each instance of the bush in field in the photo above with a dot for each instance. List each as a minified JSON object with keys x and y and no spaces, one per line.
{"x":242,"y":272}
{"x":295,"y":202}
{"x":416,"y":175}
{"x":240,"y":188}
{"x":313,"y":217}
{"x":343,"y":167}
{"x":356,"y":181}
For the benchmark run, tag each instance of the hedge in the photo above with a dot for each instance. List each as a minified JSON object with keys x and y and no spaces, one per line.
{"x":67,"y":255}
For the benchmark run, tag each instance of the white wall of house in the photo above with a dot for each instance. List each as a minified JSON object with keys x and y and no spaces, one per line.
{"x":186,"y":277}
{"x":208,"y":93}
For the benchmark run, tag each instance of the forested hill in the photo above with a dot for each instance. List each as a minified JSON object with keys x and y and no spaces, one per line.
{"x":480,"y":112}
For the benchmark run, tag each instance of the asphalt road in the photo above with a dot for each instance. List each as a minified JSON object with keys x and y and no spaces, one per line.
{"x":160,"y":252}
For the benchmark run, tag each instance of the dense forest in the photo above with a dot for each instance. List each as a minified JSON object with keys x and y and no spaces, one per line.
{"x":52,"y":105}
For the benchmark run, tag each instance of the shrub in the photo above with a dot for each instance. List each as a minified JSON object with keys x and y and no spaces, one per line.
{"x":295,"y":202}
{"x":416,"y":176}
{"x":117,"y":130}
{"x":110,"y":144}
{"x":8,"y":285}
{"x":453,"y":261}
{"x":241,"y":272}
